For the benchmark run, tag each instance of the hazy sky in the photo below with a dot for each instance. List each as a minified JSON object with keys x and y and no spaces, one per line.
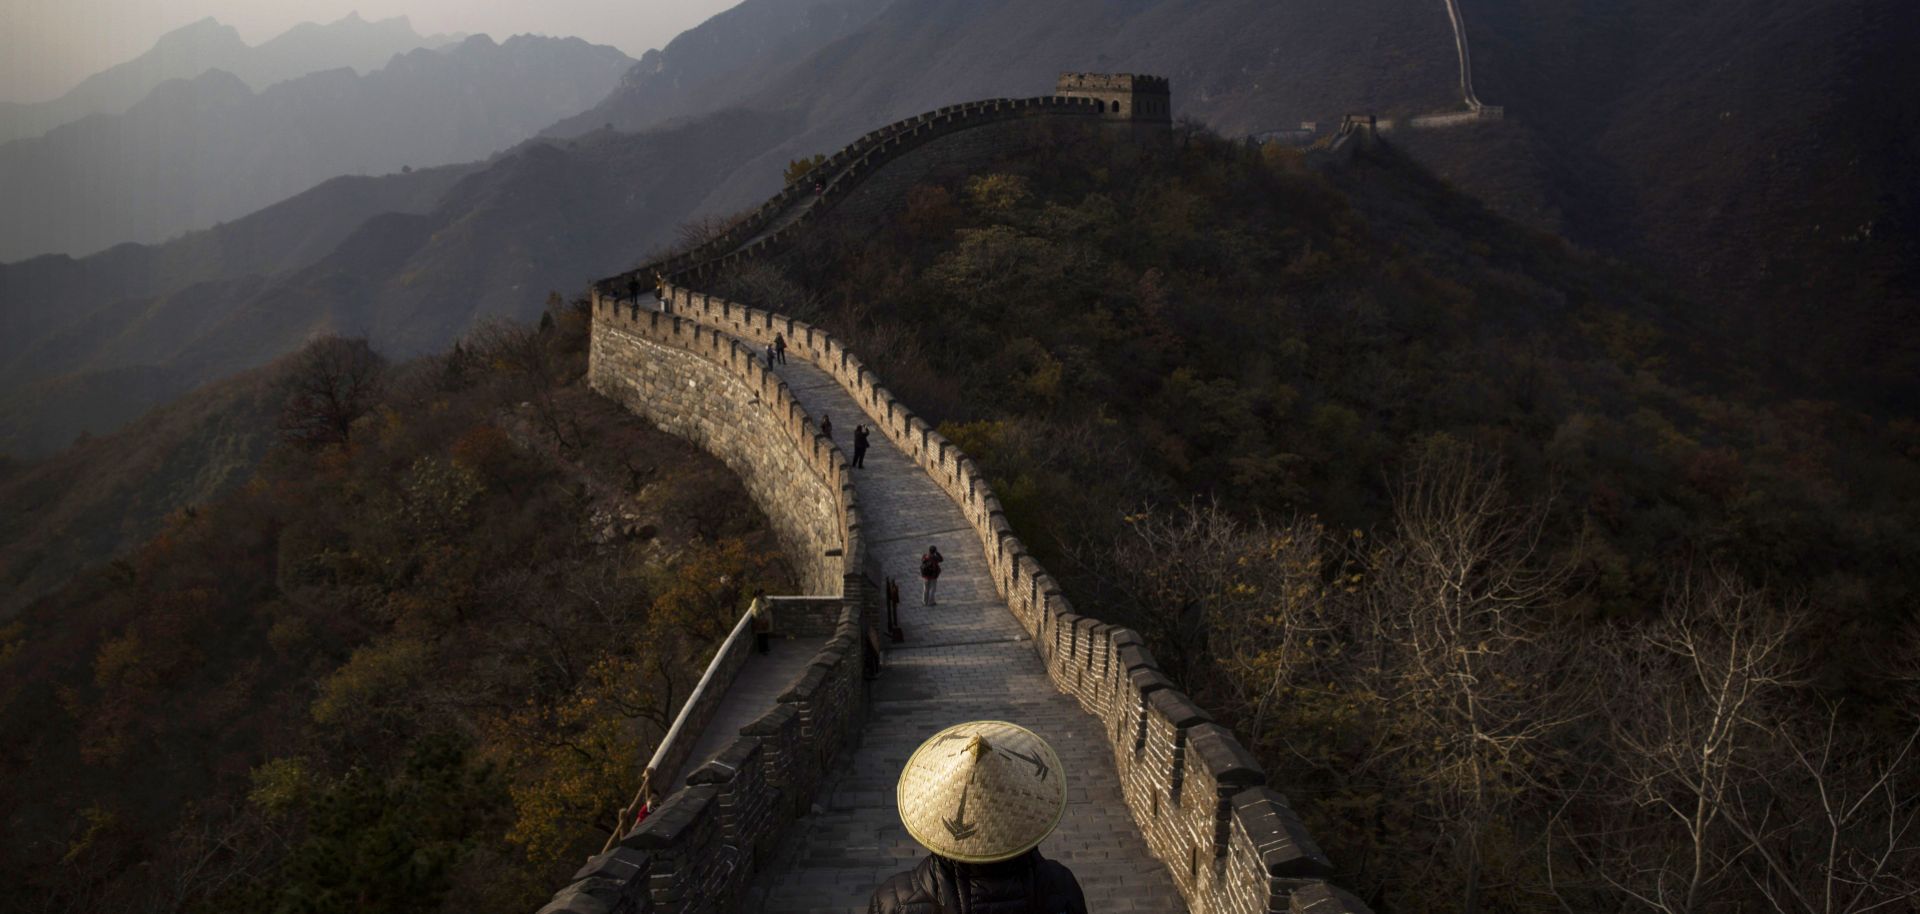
{"x":46,"y":46}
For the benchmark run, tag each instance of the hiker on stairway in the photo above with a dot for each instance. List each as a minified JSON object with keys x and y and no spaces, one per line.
{"x":982,"y":796}
{"x":930,"y":572}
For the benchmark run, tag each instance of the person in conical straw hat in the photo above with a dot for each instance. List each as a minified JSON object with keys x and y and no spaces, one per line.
{"x":982,"y":796}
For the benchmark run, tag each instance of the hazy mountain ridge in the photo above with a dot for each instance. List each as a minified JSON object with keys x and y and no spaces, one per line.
{"x":205,"y":45}
{"x":1242,"y":66}
{"x":720,"y":61}
{"x":495,"y":241}
{"x":1564,"y":73}
{"x":198,"y":151}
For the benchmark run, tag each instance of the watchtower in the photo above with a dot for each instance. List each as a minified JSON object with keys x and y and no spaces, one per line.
{"x":1122,"y":96}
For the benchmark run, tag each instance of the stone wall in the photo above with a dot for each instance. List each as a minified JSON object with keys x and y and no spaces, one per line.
{"x":696,"y":851}
{"x":1123,"y":96}
{"x":789,"y":212}
{"x":715,"y":394}
{"x":1232,"y":843}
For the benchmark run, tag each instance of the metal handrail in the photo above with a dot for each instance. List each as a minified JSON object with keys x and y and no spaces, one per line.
{"x":741,"y":629}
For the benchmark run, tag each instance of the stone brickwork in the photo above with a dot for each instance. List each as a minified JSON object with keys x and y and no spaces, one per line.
{"x":1200,"y":802}
{"x":696,"y":850}
{"x":1122,"y":96}
{"x":1230,"y":843}
{"x":716,"y":394}
{"x":791,"y":211}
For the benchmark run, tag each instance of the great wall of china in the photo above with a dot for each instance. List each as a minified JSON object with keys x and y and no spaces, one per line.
{"x":773,"y":790}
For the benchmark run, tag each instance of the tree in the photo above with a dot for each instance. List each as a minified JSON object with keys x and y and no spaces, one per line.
{"x":801,"y":167}
{"x":332,"y":382}
{"x":1467,"y":675}
{"x":1697,"y":694}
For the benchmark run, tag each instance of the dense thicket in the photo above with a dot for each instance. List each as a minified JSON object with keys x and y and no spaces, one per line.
{"x":1442,"y":515}
{"x":414,"y":664}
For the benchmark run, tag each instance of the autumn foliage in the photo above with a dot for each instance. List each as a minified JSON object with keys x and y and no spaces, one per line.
{"x":414,"y":664}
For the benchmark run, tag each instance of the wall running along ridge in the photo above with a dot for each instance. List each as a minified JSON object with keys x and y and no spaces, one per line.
{"x":695,"y":849}
{"x":796,"y":206}
{"x":1231,"y":842}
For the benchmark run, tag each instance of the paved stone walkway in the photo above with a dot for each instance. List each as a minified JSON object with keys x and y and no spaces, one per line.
{"x":753,"y":692}
{"x":964,"y":659}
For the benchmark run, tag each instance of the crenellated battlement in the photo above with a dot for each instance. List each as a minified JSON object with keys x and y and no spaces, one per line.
{"x":1123,"y":96}
{"x":1199,"y":800}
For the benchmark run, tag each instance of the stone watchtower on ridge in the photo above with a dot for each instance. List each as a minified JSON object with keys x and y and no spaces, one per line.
{"x":1123,"y":96}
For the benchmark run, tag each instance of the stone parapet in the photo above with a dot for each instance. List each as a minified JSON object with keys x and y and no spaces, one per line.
{"x":775,"y":222}
{"x":697,"y":851}
{"x":1231,"y":844}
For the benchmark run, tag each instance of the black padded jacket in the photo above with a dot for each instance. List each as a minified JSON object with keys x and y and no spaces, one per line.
{"x":1027,"y":884}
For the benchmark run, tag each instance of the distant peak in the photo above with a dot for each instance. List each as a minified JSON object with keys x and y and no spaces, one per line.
{"x":204,"y":29}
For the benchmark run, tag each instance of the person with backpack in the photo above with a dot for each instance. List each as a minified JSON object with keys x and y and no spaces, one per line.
{"x":860,"y":445}
{"x":981,"y":796}
{"x":930,"y":573}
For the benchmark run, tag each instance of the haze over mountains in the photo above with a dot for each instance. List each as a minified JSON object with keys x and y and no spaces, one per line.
{"x":195,"y":152}
{"x":705,"y":125}
{"x":191,"y":50}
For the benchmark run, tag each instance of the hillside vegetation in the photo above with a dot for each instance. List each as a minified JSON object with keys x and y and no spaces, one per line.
{"x":1468,"y":532}
{"x":413,"y":664}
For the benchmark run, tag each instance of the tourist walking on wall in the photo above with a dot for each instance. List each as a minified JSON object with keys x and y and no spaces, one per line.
{"x":981,"y":796}
{"x":826,"y":426}
{"x":780,"y":347}
{"x":930,"y":573}
{"x":769,"y":355}
{"x":860,"y":445}
{"x":633,"y":290}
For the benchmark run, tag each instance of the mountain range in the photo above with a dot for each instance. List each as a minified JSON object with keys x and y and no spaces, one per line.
{"x":191,"y":50}
{"x":1593,"y":146}
{"x":198,"y":151}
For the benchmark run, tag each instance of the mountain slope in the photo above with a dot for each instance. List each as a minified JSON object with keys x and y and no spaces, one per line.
{"x":106,"y":494}
{"x":206,"y":45}
{"x":720,"y":61}
{"x":1756,"y":152}
{"x":496,"y":242}
{"x":1574,"y":76}
{"x":198,"y":151}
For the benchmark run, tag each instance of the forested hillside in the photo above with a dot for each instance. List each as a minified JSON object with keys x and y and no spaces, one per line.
{"x":1468,"y":532}
{"x":407,"y":666}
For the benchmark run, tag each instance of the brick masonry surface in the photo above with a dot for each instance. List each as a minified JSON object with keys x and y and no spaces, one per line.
{"x":966,"y":658}
{"x":795,"y":811}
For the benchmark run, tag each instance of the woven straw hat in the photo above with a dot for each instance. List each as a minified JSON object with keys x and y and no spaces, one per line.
{"x":982,"y":791}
